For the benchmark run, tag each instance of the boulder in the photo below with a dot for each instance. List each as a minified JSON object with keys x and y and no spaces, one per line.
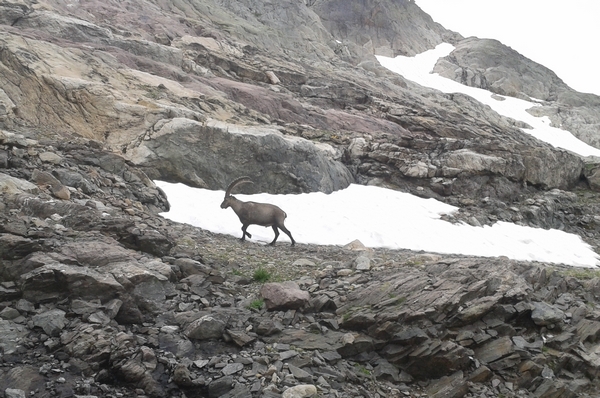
{"x":14,"y":393}
{"x":60,"y":280}
{"x":494,"y":350}
{"x":13,"y":247}
{"x":12,"y":336}
{"x":204,"y":328}
{"x":12,"y":185}
{"x":453,"y":386}
{"x":283,"y":296}
{"x":300,"y":391}
{"x":52,"y":322}
{"x":276,"y":163}
{"x":544,"y":314}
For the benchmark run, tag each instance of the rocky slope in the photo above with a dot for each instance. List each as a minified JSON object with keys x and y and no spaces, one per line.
{"x":103,"y":297}
{"x":490,"y":65}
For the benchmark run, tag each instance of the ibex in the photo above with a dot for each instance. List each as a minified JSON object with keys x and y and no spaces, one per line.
{"x":249,"y":213}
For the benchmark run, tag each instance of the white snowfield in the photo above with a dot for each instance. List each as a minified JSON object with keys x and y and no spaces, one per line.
{"x":378,"y":217}
{"x":381,"y":217}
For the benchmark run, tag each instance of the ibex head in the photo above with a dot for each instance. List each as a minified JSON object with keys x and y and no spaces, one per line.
{"x":227,"y":201}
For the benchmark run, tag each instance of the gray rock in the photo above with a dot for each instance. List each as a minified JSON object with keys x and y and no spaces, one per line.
{"x":267,"y":327}
{"x":453,"y":386}
{"x":341,"y":19}
{"x":50,"y":157}
{"x":14,"y":185}
{"x":157,"y":95}
{"x":494,"y":350}
{"x":11,"y":336}
{"x":75,"y":180}
{"x":52,"y":321}
{"x":284,"y":164}
{"x":299,"y":374}
{"x":285,"y":355}
{"x":12,"y":11}
{"x":588,"y":330}
{"x":9,"y":313}
{"x":232,"y":368}
{"x":179,"y":346}
{"x":240,"y":338}
{"x":301,"y":391}
{"x":82,"y":307}
{"x":498,"y":73}
{"x":24,"y":306}
{"x":57,"y":280}
{"x":13,"y":247}
{"x":362,"y":263}
{"x":113,"y":307}
{"x":204,"y":328}
{"x":282,"y":296}
{"x":386,"y":371}
{"x":132,"y":370}
{"x":411,"y":336}
{"x":14,"y":393}
{"x":220,"y":387}
{"x":544,"y":314}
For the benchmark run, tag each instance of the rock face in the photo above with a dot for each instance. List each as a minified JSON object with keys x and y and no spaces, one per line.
{"x":490,"y":65}
{"x":221,"y":152}
{"x":141,"y":89}
{"x":382,"y":28}
{"x":100,"y":296}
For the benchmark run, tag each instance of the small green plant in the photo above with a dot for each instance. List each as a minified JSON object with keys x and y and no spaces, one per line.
{"x":261,"y":275}
{"x":363,"y":370}
{"x":257,"y":304}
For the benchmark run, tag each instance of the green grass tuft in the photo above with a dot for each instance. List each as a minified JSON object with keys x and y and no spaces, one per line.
{"x":257,"y":304}
{"x":261,"y":275}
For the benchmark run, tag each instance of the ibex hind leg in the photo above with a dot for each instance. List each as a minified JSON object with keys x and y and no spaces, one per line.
{"x":284,"y":229}
{"x":276,"y":235}
{"x":244,"y":233}
{"x":288,"y":233}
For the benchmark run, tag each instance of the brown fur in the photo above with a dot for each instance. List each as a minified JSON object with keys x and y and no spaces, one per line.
{"x":253,"y":213}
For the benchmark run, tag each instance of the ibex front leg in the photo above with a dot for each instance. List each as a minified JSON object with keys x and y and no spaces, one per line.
{"x":244,"y":233}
